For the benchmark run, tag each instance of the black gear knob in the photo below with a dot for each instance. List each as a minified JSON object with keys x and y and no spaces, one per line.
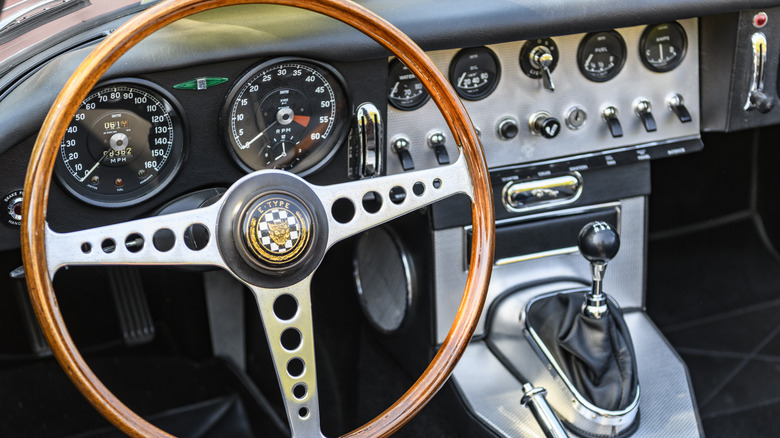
{"x":598,"y":242}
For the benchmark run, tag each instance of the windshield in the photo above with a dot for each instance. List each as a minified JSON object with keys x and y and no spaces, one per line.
{"x":27,"y":22}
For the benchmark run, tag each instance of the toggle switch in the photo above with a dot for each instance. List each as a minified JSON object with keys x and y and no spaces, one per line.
{"x":610,"y":115}
{"x":436,"y":141}
{"x":645,"y":112}
{"x":677,"y":105}
{"x":401,"y":147}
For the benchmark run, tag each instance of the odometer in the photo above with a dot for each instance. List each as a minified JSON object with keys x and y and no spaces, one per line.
{"x":123,"y":145}
{"x":286,"y":114}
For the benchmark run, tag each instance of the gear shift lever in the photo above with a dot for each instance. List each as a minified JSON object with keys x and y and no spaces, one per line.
{"x":585,"y":335}
{"x":599,"y":243}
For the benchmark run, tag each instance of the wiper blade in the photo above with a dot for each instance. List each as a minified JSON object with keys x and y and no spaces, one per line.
{"x":36,"y":15}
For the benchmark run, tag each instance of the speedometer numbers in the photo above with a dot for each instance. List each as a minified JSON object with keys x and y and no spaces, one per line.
{"x":123,"y":145}
{"x":285,"y":114}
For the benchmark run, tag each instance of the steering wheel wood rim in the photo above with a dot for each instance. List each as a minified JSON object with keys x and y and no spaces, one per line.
{"x":38,"y":181}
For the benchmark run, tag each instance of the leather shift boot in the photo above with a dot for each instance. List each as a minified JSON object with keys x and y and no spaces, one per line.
{"x":596,"y":355}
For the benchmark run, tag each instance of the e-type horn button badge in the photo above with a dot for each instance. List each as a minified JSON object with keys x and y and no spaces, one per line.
{"x":276,"y":231}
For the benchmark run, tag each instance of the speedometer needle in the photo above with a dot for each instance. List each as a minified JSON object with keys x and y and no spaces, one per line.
{"x":94,"y":167}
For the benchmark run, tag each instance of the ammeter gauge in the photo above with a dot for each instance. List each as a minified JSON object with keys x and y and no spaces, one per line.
{"x":662,"y":47}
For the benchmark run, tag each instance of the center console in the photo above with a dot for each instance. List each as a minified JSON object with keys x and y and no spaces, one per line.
{"x":568,"y":125}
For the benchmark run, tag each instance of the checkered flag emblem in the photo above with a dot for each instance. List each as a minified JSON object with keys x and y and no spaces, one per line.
{"x":279,"y":231}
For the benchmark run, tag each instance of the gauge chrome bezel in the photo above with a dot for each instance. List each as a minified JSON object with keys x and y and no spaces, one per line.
{"x":683,"y":50}
{"x":396,"y":103}
{"x":335,"y":140}
{"x":616,"y":69}
{"x":174,"y":159}
{"x":453,"y":75}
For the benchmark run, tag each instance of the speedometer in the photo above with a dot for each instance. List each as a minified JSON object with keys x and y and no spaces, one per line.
{"x":124,"y":144}
{"x":287,"y":114}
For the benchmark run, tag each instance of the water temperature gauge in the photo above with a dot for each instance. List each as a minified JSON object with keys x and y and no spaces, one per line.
{"x":662,"y":47}
{"x":601,"y":55}
{"x":405,"y":91}
{"x":474,"y":73}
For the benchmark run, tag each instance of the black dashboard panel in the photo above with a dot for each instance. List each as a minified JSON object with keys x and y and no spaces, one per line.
{"x":207,"y":161}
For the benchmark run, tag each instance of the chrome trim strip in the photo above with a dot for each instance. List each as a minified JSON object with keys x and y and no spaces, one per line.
{"x":538,"y":255}
{"x":544,"y":184}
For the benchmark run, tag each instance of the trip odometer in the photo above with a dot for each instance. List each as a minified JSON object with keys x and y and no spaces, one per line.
{"x":285,"y":114}
{"x":123,"y":145}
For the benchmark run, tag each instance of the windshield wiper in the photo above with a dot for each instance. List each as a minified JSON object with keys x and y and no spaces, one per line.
{"x":39,"y":13}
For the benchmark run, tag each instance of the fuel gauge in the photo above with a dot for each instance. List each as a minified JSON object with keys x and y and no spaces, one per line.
{"x":404,"y":90}
{"x":662,"y":47}
{"x":601,"y":55}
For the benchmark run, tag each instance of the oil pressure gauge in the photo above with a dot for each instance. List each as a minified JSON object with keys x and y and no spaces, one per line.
{"x":475,"y":72}
{"x":601,"y":55}
{"x":662,"y":47}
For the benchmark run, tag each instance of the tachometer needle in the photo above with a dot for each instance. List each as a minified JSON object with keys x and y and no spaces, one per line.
{"x":257,"y":137}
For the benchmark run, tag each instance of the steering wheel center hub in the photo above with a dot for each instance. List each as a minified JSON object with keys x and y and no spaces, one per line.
{"x":275,"y":231}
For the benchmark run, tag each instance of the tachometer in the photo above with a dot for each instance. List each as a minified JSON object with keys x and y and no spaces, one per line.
{"x":286,"y":114}
{"x":125,"y":144}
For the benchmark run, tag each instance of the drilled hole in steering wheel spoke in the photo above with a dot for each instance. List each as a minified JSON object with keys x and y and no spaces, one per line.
{"x":291,"y":339}
{"x":134,"y":242}
{"x":108,"y":245}
{"x":196,"y":237}
{"x":296,"y":367}
{"x":300,"y":391}
{"x":343,"y":210}
{"x":285,"y":307}
{"x":372,"y":202}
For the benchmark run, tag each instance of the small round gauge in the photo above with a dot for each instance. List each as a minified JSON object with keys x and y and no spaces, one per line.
{"x":287,"y":114}
{"x":124,"y":145}
{"x":405,"y":91}
{"x":475,"y":73}
{"x":601,"y":55}
{"x":662,"y":47}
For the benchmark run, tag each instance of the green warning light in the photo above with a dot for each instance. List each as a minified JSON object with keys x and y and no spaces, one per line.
{"x":200,"y":83}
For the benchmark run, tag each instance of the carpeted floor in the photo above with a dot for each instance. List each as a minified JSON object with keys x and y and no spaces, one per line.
{"x":715,"y":294}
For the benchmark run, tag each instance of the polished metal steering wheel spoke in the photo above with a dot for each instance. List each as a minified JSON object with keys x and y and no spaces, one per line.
{"x":374,"y":201}
{"x":185,"y":238}
{"x":287,"y":320}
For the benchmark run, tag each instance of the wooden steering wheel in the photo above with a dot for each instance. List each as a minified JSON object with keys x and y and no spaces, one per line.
{"x":230,"y":223}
